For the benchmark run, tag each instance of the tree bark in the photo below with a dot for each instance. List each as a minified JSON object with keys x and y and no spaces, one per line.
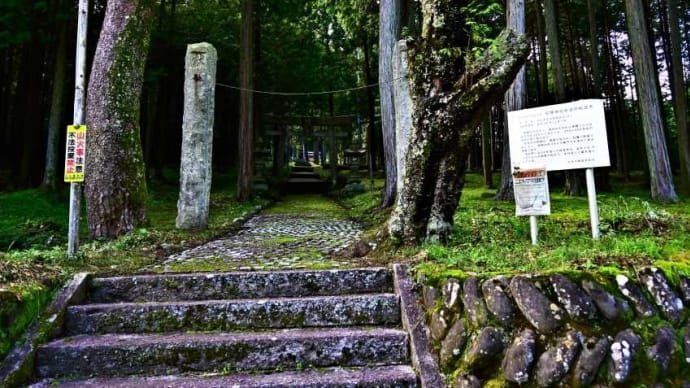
{"x":592,"y":10}
{"x":56,"y":109}
{"x":515,"y":99}
{"x":573,"y":182}
{"x":554,"y":50}
{"x":487,"y":149}
{"x":115,"y":176}
{"x":246,"y":129}
{"x":371,"y":104}
{"x":543,"y":63}
{"x":650,"y":109}
{"x":389,"y":26}
{"x":680,"y":101}
{"x":450,"y":100}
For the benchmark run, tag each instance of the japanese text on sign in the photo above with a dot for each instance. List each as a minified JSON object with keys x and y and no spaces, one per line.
{"x":560,"y":137}
{"x":75,"y":154}
{"x":531,"y":189}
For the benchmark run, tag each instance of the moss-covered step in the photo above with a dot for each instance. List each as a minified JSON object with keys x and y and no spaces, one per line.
{"x":293,"y":349}
{"x":240,"y":285}
{"x":395,"y":376}
{"x":227,"y":315}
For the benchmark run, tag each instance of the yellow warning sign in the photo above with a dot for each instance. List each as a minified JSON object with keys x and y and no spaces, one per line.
{"x":75,"y":153}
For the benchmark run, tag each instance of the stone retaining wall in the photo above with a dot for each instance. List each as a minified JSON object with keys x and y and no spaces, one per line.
{"x":569,"y":330}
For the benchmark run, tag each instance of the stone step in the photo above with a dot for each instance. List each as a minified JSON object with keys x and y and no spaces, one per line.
{"x":292,"y":349}
{"x":302,"y":169}
{"x":228,"y":315}
{"x":239,"y":285}
{"x":301,"y":180}
{"x":382,"y":377}
{"x":303,"y":174}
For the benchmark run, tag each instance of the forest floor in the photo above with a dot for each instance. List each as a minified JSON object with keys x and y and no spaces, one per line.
{"x":313,"y":232}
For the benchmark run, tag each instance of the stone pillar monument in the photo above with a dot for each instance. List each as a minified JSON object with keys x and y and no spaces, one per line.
{"x":197,"y":136}
{"x":403,"y":107}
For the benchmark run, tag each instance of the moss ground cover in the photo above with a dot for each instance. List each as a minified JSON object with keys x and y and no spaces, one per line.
{"x":487,"y":238}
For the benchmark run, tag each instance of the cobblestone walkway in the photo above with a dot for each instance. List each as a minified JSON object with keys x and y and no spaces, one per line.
{"x":300,"y":233}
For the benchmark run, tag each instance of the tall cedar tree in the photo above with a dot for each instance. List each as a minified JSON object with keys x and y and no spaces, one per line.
{"x":451,"y":95}
{"x":515,"y":98}
{"x":650,"y":108}
{"x":389,"y":22}
{"x":115,"y":183}
{"x":680,"y":100}
{"x":246,"y":129}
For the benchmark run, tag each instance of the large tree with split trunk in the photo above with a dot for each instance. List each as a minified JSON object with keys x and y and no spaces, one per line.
{"x":452,"y":92}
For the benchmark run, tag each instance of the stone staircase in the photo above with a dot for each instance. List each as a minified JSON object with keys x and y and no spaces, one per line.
{"x":339,"y":328}
{"x":303,"y":179}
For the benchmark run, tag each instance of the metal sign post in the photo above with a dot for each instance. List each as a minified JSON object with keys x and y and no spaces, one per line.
{"x":79,"y":97}
{"x":532,"y":199}
{"x":593,"y":206}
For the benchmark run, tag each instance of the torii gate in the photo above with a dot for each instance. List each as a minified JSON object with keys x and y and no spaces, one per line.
{"x":309,"y":124}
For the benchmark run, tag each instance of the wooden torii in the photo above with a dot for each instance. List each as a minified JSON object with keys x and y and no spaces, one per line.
{"x":309,"y":123}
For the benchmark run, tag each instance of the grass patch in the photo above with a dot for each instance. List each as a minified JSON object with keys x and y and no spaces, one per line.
{"x":487,"y":238}
{"x":33,"y":229}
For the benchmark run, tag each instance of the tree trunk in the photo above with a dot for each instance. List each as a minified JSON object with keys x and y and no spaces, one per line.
{"x":680,"y":101}
{"x":450,"y":100}
{"x":389,"y":25}
{"x":573,"y":182}
{"x":487,"y":148}
{"x":615,"y":93}
{"x":554,"y":50}
{"x":246,"y":129}
{"x":56,"y":109}
{"x":115,"y":183}
{"x":515,"y":99}
{"x":371,"y":104}
{"x":650,"y":108}
{"x":592,"y":10}
{"x":543,"y":63}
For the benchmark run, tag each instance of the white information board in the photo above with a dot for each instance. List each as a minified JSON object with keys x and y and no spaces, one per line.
{"x":560,"y":137}
{"x":531,"y":189}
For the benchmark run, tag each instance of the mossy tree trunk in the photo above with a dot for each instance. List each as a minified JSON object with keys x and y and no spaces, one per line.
{"x":660,"y":173}
{"x":115,"y":177}
{"x":451,"y":96}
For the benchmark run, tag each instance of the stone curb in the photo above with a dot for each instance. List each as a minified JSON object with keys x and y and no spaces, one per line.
{"x":17,"y":368}
{"x":414,"y":324}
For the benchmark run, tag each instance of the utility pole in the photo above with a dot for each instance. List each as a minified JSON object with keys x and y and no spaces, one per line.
{"x":78,"y":120}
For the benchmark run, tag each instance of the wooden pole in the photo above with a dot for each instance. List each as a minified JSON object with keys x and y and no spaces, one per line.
{"x":78,"y":119}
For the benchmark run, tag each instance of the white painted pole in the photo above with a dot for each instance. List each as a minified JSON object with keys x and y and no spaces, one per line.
{"x":534,"y":229}
{"x":79,"y":97}
{"x":593,"y":207}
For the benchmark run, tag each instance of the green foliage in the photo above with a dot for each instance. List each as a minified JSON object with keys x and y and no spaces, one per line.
{"x":32,"y":218}
{"x":484,"y":19}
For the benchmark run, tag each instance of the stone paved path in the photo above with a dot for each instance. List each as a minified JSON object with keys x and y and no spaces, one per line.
{"x":300,"y":232}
